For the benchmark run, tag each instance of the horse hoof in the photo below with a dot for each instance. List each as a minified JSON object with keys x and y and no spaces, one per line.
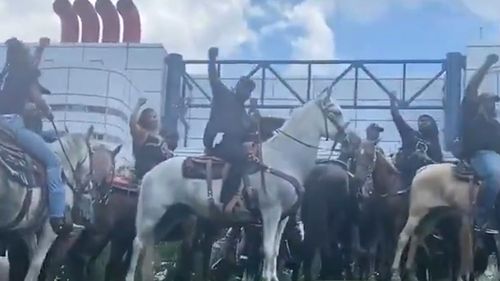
{"x":395,"y":276}
{"x":372,"y":277}
{"x":412,"y":276}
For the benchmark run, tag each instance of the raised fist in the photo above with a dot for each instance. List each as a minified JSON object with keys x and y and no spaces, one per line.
{"x":492,"y":59}
{"x":141,"y":101}
{"x":213,"y":52}
{"x":44,"y":42}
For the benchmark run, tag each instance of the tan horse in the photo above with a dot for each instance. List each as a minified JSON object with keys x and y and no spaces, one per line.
{"x":437,"y":186}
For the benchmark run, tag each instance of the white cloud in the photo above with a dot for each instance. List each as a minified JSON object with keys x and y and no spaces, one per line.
{"x":488,"y":9}
{"x":28,"y":20}
{"x":316,"y":37}
{"x":190,"y":27}
{"x":185,"y":26}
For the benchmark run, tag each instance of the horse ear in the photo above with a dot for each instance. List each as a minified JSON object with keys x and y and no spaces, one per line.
{"x":89,"y":134}
{"x":116,"y":150}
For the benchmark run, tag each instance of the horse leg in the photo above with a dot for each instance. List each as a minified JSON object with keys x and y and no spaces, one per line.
{"x":405,"y":235}
{"x":466,"y":260}
{"x":116,"y":267}
{"x":45,"y":240}
{"x":147,"y":217}
{"x":18,"y":257}
{"x":277,"y":243}
{"x":270,"y":225}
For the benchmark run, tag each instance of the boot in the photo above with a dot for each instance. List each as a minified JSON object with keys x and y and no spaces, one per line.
{"x":64,"y":225}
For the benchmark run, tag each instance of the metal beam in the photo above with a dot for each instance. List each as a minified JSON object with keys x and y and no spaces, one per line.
{"x":292,"y":91}
{"x":411,"y":61}
{"x":346,"y":106}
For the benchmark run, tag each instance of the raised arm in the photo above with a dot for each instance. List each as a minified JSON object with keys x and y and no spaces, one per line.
{"x":138,"y":133}
{"x":217,"y":86}
{"x":471,"y":91}
{"x":403,"y":128}
{"x":37,"y":57}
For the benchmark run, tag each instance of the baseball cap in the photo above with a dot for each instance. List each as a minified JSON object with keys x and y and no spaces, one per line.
{"x":376,"y":127}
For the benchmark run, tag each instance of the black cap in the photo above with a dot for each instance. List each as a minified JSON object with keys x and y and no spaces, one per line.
{"x":376,"y":127}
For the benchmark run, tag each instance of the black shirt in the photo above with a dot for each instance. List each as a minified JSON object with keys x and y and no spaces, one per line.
{"x":227,"y":116}
{"x":151,"y":153}
{"x":411,"y":138}
{"x":478,"y":133}
{"x":16,"y":90}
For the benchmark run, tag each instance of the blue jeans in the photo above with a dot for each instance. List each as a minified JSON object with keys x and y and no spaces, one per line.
{"x":34,"y":145}
{"x":487,"y":165}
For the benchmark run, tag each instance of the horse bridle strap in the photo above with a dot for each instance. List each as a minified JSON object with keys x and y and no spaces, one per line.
{"x":326,"y":118}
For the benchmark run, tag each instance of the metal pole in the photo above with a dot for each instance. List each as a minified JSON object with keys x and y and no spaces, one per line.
{"x":309,"y":78}
{"x":263,"y":85}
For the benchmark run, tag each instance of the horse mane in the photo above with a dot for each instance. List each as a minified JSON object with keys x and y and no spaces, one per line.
{"x":390,"y":166}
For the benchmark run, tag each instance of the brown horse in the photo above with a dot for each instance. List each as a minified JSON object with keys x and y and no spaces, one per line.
{"x":383,"y":203}
{"x":108,"y":210}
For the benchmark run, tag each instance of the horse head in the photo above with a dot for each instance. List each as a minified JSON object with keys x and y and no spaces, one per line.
{"x":75,"y":153}
{"x":103,"y":164}
{"x":331,"y":119}
{"x":370,"y":161}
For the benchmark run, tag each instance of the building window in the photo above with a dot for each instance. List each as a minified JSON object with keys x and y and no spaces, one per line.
{"x":90,"y":109}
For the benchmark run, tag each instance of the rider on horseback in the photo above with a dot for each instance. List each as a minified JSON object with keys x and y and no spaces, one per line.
{"x":481,"y":141}
{"x":424,"y":141}
{"x":149,"y":148}
{"x":21,"y":87}
{"x":228,"y":116}
{"x":373,"y":134}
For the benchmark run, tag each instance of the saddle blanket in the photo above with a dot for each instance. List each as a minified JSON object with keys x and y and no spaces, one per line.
{"x":19,"y":165}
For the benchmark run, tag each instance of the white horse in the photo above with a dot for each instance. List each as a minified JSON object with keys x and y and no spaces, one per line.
{"x":75,"y":162}
{"x":293,"y":151}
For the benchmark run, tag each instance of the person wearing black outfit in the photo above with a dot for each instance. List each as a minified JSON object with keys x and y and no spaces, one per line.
{"x":481,"y":143}
{"x":149,"y":148}
{"x":20,"y":88}
{"x":229,"y":117}
{"x":419,"y":147}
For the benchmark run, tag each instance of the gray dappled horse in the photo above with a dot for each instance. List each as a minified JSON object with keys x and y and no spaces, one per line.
{"x":23,"y":191}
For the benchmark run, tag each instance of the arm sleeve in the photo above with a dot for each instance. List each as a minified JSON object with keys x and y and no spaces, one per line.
{"x":403,"y":128}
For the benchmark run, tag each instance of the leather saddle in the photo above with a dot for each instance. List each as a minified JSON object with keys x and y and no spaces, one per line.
{"x":207,"y":167}
{"x":200,"y":167}
{"x":465,"y":172}
{"x":18,"y":164}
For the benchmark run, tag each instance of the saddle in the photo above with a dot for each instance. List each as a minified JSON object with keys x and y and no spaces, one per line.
{"x":18,"y":164}
{"x":207,"y":167}
{"x":201,"y":167}
{"x":465,"y":172}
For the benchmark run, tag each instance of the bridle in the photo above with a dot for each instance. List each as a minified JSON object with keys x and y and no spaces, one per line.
{"x":339,"y":136}
{"x":79,"y":186}
{"x":368,"y":188}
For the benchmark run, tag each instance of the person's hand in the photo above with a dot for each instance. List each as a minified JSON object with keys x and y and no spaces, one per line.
{"x":44,"y":42}
{"x":141,"y":101}
{"x":50,"y":116}
{"x":394,"y":103}
{"x":491,"y":59}
{"x":213,"y":52}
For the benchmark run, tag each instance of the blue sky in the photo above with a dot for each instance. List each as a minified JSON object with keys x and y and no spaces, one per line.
{"x":428,"y":31}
